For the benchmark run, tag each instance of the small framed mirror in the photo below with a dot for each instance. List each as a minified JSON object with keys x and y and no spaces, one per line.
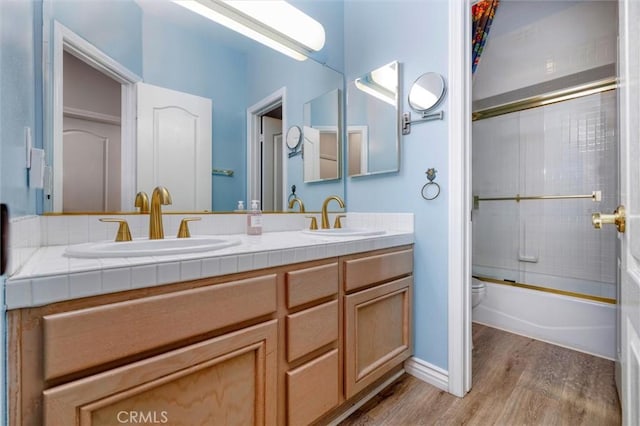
{"x":294,"y":136}
{"x":426,"y":92}
{"x":425,"y":95}
{"x":373,"y":122}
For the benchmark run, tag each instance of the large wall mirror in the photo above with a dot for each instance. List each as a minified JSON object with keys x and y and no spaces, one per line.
{"x":373,"y":125}
{"x":184,"y":77}
{"x":322,"y":142}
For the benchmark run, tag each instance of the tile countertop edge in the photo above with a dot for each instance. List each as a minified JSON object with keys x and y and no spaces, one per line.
{"x":24,"y":290}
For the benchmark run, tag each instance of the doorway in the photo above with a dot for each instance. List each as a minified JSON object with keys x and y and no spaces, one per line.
{"x":91,"y":142}
{"x":544,"y":159}
{"x":98,"y":103}
{"x":266,"y":156}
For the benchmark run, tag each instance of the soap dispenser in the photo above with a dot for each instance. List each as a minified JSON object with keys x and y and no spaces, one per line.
{"x":254,"y":219}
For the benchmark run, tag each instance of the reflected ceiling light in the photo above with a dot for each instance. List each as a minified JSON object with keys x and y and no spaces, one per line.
{"x":421,"y":98}
{"x":386,"y":77}
{"x":376,"y":90}
{"x":274,"y":23}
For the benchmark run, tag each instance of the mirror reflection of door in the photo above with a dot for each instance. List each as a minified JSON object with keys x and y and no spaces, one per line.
{"x":174,"y":146}
{"x":91,"y":139}
{"x":271,"y":160}
{"x":321,"y":136}
{"x":328,"y":153}
{"x":358,"y":147}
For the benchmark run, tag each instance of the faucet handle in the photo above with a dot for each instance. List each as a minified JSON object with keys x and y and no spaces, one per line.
{"x":142,"y":202}
{"x":337,"y":223}
{"x":124,"y":234}
{"x":314,"y":223}
{"x":183,"y":231}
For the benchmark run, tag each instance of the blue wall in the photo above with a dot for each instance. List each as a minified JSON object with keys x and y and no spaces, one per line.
{"x":18,"y":20}
{"x":115,"y":27}
{"x":17,"y":85}
{"x":413,"y":32}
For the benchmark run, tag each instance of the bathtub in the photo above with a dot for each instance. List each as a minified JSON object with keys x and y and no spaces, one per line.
{"x":575,"y":323}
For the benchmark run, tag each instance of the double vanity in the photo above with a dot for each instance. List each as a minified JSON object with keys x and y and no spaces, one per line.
{"x":290,"y":327}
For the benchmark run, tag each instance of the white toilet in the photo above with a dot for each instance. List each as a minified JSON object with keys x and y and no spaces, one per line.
{"x":478,"y":291}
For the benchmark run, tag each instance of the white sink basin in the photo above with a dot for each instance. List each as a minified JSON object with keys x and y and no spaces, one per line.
{"x":344,"y":232}
{"x":146,"y":247}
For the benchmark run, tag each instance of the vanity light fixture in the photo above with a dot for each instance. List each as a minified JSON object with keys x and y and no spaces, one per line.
{"x":274,"y":23}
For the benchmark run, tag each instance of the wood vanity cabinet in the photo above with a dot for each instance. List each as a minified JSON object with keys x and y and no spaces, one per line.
{"x":290,"y":345}
{"x":377,"y":312}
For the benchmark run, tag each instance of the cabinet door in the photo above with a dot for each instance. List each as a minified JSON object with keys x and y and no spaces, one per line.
{"x":227,"y":380}
{"x":377,"y":332}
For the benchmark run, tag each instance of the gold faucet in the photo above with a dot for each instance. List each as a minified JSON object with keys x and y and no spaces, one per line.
{"x":295,"y":200}
{"x":325,"y":215}
{"x":160,"y":197}
{"x":142,"y":202}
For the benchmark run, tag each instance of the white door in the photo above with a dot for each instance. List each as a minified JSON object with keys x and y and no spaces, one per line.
{"x":174,"y":146}
{"x":629,"y":301}
{"x":91,"y":166}
{"x":271,"y":127}
{"x":311,"y":153}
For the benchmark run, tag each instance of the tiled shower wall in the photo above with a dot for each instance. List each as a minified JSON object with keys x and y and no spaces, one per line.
{"x":567,"y":148}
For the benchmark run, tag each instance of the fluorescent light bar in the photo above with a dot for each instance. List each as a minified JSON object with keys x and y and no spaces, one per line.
{"x":386,"y":77}
{"x":376,"y":91}
{"x":274,"y":23}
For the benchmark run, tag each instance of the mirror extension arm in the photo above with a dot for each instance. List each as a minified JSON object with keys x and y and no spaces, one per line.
{"x":407,"y":122}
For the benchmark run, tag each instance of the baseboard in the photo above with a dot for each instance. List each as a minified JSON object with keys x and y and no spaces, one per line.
{"x":365,"y":399}
{"x":428,"y":373}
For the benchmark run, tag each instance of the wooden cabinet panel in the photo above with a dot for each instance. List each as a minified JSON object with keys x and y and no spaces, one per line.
{"x":313,"y":389}
{"x":135,"y":326}
{"x":374,"y":269}
{"x":311,"y":329}
{"x":228,"y":380}
{"x":377,"y":332}
{"x":308,"y":285}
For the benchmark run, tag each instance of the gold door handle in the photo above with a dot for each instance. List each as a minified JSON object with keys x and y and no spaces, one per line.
{"x":618,"y":218}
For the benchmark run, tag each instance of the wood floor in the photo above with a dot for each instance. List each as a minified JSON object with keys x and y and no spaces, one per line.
{"x":516,"y":381}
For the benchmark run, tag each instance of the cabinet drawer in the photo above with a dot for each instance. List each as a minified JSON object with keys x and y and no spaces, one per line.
{"x":369,"y":270}
{"x":307,"y":285}
{"x":311,"y":329}
{"x":312,"y":389}
{"x":77,"y":340}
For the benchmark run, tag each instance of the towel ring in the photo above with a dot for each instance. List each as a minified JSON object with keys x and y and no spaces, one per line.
{"x":293,"y":193}
{"x":431,"y":189}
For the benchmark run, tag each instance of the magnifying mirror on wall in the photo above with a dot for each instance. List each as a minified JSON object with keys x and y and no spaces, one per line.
{"x":426,"y":92}
{"x":294,"y":136}
{"x":425,"y":95}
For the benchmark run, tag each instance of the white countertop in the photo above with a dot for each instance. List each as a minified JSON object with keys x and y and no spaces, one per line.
{"x":49,"y":276}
